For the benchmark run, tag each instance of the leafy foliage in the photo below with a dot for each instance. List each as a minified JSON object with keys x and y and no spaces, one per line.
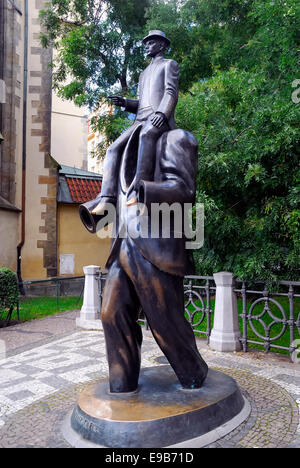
{"x":206,"y":35}
{"x":9,"y":292}
{"x":98,"y":52}
{"x":98,"y":46}
{"x":110,"y":124}
{"x":248,"y":131}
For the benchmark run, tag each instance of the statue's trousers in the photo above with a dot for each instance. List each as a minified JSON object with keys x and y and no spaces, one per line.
{"x":132,"y":280}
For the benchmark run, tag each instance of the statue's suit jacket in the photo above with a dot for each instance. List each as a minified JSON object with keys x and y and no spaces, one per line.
{"x":158,"y":92}
{"x":174,"y":181}
{"x":159,"y":81}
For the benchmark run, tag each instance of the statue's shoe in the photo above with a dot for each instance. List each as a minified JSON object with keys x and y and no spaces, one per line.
{"x":132,"y":201}
{"x":104,"y":205}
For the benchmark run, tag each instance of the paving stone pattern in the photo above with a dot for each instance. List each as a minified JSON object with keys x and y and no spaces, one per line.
{"x":28,"y":335}
{"x":38,"y":388}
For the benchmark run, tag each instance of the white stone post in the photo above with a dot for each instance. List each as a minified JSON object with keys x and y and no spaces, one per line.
{"x":90,"y":313}
{"x":2,"y":93}
{"x":225,"y":335}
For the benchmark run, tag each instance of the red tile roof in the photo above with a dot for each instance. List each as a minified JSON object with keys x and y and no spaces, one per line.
{"x":83,"y":190}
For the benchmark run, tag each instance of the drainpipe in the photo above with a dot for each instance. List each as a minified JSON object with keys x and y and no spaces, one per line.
{"x":24,"y":152}
{"x":1,"y":72}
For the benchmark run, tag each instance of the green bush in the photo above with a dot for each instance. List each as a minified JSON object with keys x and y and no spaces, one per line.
{"x":9,"y":292}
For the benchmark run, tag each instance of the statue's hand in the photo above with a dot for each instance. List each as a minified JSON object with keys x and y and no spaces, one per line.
{"x":117,"y":100}
{"x":158,"y":119}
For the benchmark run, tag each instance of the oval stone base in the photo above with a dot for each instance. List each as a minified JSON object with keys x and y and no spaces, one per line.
{"x":160,"y":414}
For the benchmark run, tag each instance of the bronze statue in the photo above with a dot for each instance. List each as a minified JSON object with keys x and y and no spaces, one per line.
{"x":152,"y":162}
{"x":158,"y":94}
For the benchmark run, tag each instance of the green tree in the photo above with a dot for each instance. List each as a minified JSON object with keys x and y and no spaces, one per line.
{"x":248,"y":131}
{"x":206,"y":35}
{"x":97,"y":52}
{"x":98,"y":46}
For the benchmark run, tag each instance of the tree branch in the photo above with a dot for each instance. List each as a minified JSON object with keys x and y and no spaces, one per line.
{"x":102,"y":56}
{"x":240,"y":134}
{"x":99,"y":13}
{"x":74,"y":23}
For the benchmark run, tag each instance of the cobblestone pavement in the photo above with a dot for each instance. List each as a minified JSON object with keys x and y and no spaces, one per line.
{"x":40,"y":385}
{"x":26,"y":335}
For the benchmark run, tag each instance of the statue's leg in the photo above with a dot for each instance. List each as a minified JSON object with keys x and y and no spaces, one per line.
{"x":172,"y":331}
{"x":146,"y":155}
{"x":123,"y":335}
{"x":162,"y":298}
{"x":109,"y":189}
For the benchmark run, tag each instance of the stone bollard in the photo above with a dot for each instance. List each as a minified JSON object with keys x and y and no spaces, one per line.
{"x":2,"y":93}
{"x":225,"y":335}
{"x":90,"y":313}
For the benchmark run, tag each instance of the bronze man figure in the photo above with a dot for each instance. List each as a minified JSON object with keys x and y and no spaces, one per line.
{"x":158,"y":94}
{"x":154,"y":163}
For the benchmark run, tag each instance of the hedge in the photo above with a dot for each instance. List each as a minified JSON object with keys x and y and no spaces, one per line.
{"x":9,"y":292}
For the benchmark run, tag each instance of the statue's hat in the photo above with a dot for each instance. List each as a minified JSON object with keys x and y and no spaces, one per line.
{"x":157,"y":33}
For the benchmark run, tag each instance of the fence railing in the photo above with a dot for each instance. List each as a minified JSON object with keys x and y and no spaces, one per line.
{"x":269,"y":319}
{"x":101,"y":277}
{"x":198,"y":291}
{"x":58,"y":288}
{"x":263,"y":319}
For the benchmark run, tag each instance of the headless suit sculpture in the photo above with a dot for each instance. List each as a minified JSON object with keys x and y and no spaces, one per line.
{"x":152,"y":162}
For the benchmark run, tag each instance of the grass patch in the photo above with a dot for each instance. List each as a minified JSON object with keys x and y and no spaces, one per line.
{"x":40,"y":307}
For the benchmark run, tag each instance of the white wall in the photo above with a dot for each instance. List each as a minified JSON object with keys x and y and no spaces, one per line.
{"x":69,"y":133}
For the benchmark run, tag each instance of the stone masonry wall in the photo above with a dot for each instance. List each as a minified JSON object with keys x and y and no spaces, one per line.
{"x":11,"y":112}
{"x":40,"y":250}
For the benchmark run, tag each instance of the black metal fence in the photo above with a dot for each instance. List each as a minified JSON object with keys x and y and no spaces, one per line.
{"x":101,"y":277}
{"x":199,"y":292}
{"x":269,"y":318}
{"x":58,"y":288}
{"x":264,"y":318}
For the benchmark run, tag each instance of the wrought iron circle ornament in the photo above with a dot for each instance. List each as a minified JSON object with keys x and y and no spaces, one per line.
{"x":276,"y":320}
{"x":193,"y":296}
{"x":298,"y":323}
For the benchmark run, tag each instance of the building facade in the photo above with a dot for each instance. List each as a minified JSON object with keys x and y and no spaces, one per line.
{"x":75,"y":252}
{"x":94,"y":139}
{"x":40,"y":132}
